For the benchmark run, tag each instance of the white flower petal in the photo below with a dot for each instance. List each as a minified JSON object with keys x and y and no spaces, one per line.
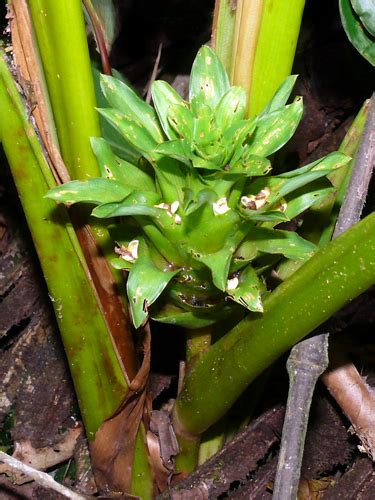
{"x":133,"y":248}
{"x":174,"y":206}
{"x":220,"y":207}
{"x":232,"y":284}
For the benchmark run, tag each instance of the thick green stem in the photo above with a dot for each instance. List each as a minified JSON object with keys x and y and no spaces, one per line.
{"x":276,"y":46}
{"x":335,"y":275}
{"x":197,"y":342}
{"x":256,"y":41}
{"x":61,"y":35}
{"x":97,"y":373}
{"x":223,"y":31}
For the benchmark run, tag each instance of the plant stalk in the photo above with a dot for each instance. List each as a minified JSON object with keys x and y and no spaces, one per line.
{"x":333,"y":276}
{"x":83,"y":328}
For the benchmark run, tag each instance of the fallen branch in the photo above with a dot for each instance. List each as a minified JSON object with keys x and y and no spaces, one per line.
{"x":39,"y":477}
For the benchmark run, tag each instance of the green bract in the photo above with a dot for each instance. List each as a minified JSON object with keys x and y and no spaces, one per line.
{"x":200,"y":210}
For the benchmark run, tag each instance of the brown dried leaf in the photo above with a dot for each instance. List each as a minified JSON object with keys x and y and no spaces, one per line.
{"x":312,"y":489}
{"x":42,"y":458}
{"x":112,"y":451}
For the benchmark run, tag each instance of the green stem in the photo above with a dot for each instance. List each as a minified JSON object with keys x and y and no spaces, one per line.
{"x":97,"y":373}
{"x":61,"y":35}
{"x":223,"y":31}
{"x":276,"y":46}
{"x":197,"y":342}
{"x":332,"y":277}
{"x":256,"y":41}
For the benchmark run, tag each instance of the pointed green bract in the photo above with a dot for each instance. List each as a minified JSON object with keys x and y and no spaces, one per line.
{"x":281,"y":96}
{"x":208,"y":80}
{"x":199,"y":206}
{"x":138,"y":136}
{"x":276,"y":128}
{"x":121,"y":97}
{"x":245,"y":289}
{"x":115,"y":168}
{"x":145,"y":284}
{"x":164,"y":96}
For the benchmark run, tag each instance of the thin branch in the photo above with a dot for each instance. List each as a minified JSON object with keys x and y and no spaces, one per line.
{"x":39,"y":477}
{"x":154,"y":74}
{"x":314,"y":351}
{"x":307,"y":361}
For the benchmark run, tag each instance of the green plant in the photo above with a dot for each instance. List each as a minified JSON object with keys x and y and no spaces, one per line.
{"x":358,"y":20}
{"x":202,"y":208}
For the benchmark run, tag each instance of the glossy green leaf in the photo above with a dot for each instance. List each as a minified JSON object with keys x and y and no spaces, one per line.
{"x":307,"y":196}
{"x":181,"y":120}
{"x":245,"y":289}
{"x":219,"y":262}
{"x":145,"y":283}
{"x":275,"y":216}
{"x":174,"y":315}
{"x":119,"y":263}
{"x":136,"y":135}
{"x":275,"y":129}
{"x":250,"y":166}
{"x":275,"y":241}
{"x":281,"y":96}
{"x":92,"y":191}
{"x":365,"y":9}
{"x":328,"y":163}
{"x":357,"y":34}
{"x":235,"y":137}
{"x":122,"y":98}
{"x":177,"y":149}
{"x":205,"y":131}
{"x":115,"y":168}
{"x":280,"y":186}
{"x":118,"y":143}
{"x":137,"y":203}
{"x":208,"y":79}
{"x":193,"y":202}
{"x":164,"y":96}
{"x":231,"y":108}
{"x":171,"y":179}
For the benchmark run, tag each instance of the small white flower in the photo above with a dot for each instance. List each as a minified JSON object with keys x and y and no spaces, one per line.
{"x":129,"y":253}
{"x":171,"y":210}
{"x":232,"y":284}
{"x":163,"y":206}
{"x":174,"y":207}
{"x":220,"y":207}
{"x":256,"y":201}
